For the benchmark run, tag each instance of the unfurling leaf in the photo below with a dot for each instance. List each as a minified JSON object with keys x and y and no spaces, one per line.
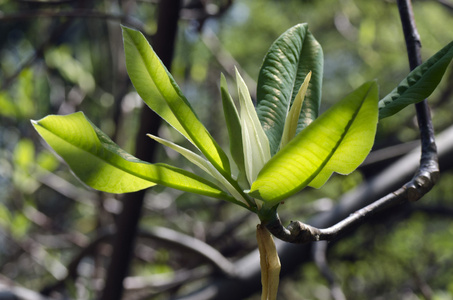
{"x":233,"y":124}
{"x":101,"y":164}
{"x":293,"y":115}
{"x":254,"y":140}
{"x":338,"y":141}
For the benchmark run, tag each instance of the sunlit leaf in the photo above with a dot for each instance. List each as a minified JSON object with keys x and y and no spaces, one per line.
{"x":254,"y":140}
{"x":338,"y":141}
{"x":418,"y":85}
{"x":98,"y":162}
{"x":160,"y":92}
{"x":288,"y":61}
{"x":289,"y":131}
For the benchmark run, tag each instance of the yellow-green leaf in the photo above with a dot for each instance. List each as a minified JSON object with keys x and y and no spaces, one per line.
{"x":338,"y":141}
{"x":161,"y":93}
{"x":101,"y":164}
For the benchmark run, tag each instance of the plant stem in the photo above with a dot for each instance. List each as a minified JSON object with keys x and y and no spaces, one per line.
{"x":270,"y":263}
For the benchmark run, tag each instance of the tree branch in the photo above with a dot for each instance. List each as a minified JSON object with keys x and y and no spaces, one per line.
{"x":177,"y":240}
{"x":319,"y":257}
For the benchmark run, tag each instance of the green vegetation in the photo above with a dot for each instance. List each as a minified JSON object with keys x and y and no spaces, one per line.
{"x":47,"y":218}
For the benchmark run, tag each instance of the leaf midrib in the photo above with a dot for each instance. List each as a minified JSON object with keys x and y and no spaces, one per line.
{"x":319,"y":169}
{"x":208,"y":183}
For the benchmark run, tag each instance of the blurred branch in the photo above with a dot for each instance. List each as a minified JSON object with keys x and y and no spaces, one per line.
{"x":228,"y":228}
{"x":391,"y":152}
{"x":37,"y":54}
{"x":39,"y":255}
{"x":75,"y":13}
{"x":447,"y":4}
{"x":10,"y":291}
{"x":424,"y":179}
{"x":159,"y":285}
{"x":319,"y":257}
{"x":201,"y":10}
{"x":226,"y":60}
{"x":64,"y":187}
{"x":188,"y":243}
{"x":47,"y":2}
{"x":177,"y":241}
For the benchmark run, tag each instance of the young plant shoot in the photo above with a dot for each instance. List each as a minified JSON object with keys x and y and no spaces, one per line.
{"x":277,"y":148}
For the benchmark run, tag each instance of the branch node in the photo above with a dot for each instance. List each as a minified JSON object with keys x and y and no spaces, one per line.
{"x":421,"y":184}
{"x":303,"y":232}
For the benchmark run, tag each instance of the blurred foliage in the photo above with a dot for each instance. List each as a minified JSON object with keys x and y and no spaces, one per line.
{"x":57,"y":65}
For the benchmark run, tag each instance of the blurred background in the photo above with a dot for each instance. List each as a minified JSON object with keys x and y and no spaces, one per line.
{"x":62,"y":56}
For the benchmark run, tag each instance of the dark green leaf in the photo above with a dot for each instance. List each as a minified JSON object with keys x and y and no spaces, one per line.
{"x":288,"y":61}
{"x":418,"y":85}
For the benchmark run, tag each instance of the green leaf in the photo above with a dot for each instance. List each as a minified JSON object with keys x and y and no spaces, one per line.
{"x":160,"y":92}
{"x":418,"y":85}
{"x":289,"y":131}
{"x":204,"y":165}
{"x":254,"y":140}
{"x":287,"y":63}
{"x":98,"y":162}
{"x":233,"y":125}
{"x":338,"y":141}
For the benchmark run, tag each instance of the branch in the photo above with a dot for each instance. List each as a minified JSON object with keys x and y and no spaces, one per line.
{"x":424,"y":179}
{"x":10,"y":290}
{"x":319,"y":256}
{"x":76,"y":13}
{"x":183,"y":242}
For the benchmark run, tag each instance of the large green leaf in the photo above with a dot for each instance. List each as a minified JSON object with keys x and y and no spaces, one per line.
{"x":160,"y":92}
{"x":338,"y":141}
{"x":98,"y":162}
{"x":288,"y":61}
{"x":418,"y":85}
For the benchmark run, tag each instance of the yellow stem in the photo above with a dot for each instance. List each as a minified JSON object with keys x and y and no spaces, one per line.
{"x":270,"y":263}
